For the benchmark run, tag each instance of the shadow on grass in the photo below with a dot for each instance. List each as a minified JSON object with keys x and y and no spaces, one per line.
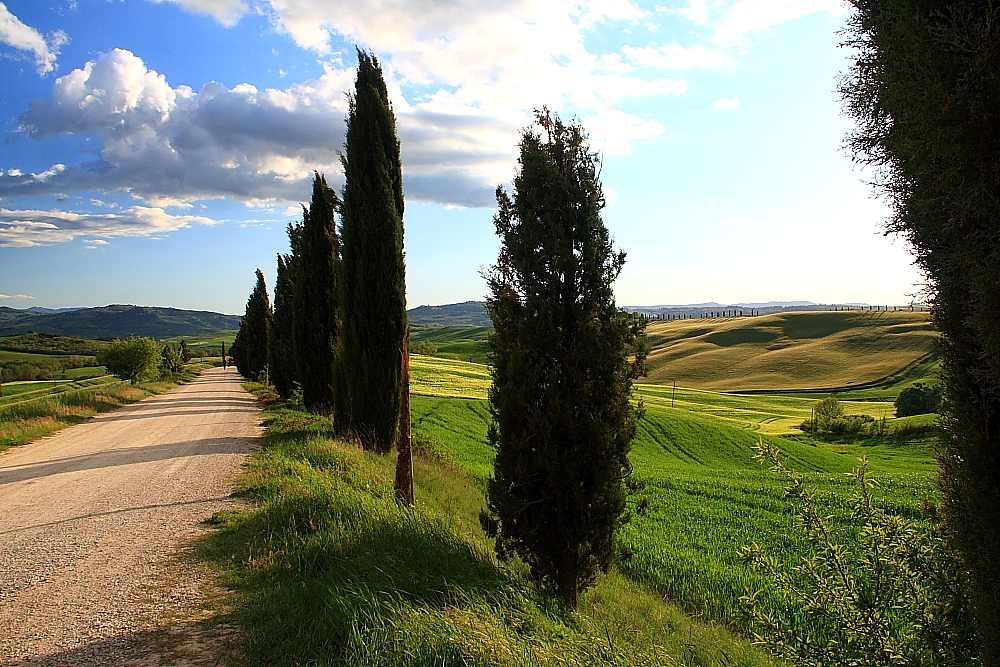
{"x":328,"y":557}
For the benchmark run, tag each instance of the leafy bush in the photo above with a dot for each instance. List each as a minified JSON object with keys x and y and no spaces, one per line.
{"x":132,"y":359}
{"x":171,"y":360}
{"x":424,"y":347}
{"x":919,"y":399}
{"x":894,"y":598}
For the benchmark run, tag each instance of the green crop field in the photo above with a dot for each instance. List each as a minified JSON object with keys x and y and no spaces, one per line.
{"x":787,"y":351}
{"x":706,"y":494}
{"x":226,"y":336}
{"x":462,"y":343}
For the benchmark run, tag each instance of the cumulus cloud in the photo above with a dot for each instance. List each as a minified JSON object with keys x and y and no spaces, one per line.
{"x":730,"y":105}
{"x":25,"y":38}
{"x":170,"y":145}
{"x":34,"y":228}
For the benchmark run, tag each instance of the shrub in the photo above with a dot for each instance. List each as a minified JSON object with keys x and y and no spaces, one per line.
{"x":132,"y":359}
{"x":919,"y":399}
{"x":893,"y":598}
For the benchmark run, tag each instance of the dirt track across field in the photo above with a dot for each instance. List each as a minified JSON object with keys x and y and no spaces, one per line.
{"x":93,"y":519}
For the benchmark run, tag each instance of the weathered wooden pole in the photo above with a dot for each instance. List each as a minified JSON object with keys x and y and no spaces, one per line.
{"x":404,"y":448}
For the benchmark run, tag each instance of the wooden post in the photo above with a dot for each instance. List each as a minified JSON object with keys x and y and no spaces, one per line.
{"x":404,"y":443}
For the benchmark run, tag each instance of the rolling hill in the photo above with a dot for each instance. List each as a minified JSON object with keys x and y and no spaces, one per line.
{"x":117,"y":321}
{"x":789,"y":351}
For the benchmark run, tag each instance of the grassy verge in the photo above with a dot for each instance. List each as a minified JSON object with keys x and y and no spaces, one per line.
{"x":328,"y":570}
{"x":36,"y":416}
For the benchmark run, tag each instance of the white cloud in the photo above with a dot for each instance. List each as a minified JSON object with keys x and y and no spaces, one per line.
{"x":171,"y":145}
{"x":15,"y":296}
{"x":675,"y":56}
{"x":226,"y":12}
{"x":731,"y":105}
{"x":34,"y":228}
{"x":732,"y":22}
{"x":612,"y":132}
{"x":25,"y":38}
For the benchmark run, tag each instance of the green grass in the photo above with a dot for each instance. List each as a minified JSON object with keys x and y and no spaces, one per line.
{"x":707,"y":496}
{"x":328,"y":570}
{"x":29,"y":415}
{"x":462,"y":343}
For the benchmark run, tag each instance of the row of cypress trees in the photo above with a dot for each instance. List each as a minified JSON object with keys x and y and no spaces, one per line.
{"x":339,"y":316}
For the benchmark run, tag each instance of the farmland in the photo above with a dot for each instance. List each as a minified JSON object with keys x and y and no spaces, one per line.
{"x":707,"y":496}
{"x":789,"y":351}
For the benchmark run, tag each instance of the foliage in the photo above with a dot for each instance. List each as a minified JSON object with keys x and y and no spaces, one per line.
{"x":918,"y":399}
{"x":925,"y":94}
{"x":316,"y":300}
{"x":132,"y":359}
{"x":828,"y":410}
{"x":895,"y":599}
{"x":172,"y":360}
{"x":374,"y":283}
{"x":43,"y":343}
{"x":250,"y":347}
{"x":45,"y":368}
{"x":280,"y":336}
{"x":426,"y":348}
{"x":186,"y":354}
{"x":562,"y":377}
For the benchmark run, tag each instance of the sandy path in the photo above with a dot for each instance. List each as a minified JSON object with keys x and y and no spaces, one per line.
{"x":92,"y":517}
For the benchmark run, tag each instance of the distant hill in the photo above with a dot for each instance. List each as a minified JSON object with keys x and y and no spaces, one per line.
{"x":788,"y":351}
{"x":466,"y":314}
{"x":117,"y":321}
{"x":50,"y":311}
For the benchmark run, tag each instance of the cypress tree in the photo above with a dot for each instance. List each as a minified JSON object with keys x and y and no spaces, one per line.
{"x":250,"y":346}
{"x":374,"y":287}
{"x":925,"y":94}
{"x":281,"y":352}
{"x":316,"y":318}
{"x":564,"y":358}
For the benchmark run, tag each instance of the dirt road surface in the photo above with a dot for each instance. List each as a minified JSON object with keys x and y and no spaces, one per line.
{"x":93,"y":518}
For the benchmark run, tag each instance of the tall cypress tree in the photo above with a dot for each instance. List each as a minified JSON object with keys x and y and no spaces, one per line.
{"x":562,"y":374}
{"x":374,"y":280}
{"x":280,"y":349}
{"x":925,"y":93}
{"x":316,"y":319}
{"x":250,"y":347}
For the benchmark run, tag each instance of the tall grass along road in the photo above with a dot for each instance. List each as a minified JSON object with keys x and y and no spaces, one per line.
{"x":91,"y":520}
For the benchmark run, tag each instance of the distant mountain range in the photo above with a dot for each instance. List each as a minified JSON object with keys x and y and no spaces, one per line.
{"x":116,"y":321}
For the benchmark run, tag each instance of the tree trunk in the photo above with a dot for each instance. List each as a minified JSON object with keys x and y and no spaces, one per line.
{"x":404,"y":460}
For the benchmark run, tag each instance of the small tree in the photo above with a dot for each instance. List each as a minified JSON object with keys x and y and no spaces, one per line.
{"x":186,"y":355}
{"x":374,"y":284}
{"x":132,"y":359}
{"x":172,"y":360}
{"x":918,"y":399}
{"x":828,"y":411}
{"x":564,"y":358}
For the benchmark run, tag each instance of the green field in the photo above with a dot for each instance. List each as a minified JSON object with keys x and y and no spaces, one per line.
{"x":214,"y":339}
{"x":707,"y":496}
{"x":463,"y":343}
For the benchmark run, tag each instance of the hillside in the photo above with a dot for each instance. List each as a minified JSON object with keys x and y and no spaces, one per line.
{"x":117,"y":321}
{"x":467,"y":314}
{"x":788,"y":351}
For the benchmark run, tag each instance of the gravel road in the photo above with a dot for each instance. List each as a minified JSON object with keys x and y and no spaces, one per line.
{"x":93,"y":518}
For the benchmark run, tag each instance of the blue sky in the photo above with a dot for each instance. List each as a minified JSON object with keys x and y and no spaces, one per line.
{"x":155,"y":151}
